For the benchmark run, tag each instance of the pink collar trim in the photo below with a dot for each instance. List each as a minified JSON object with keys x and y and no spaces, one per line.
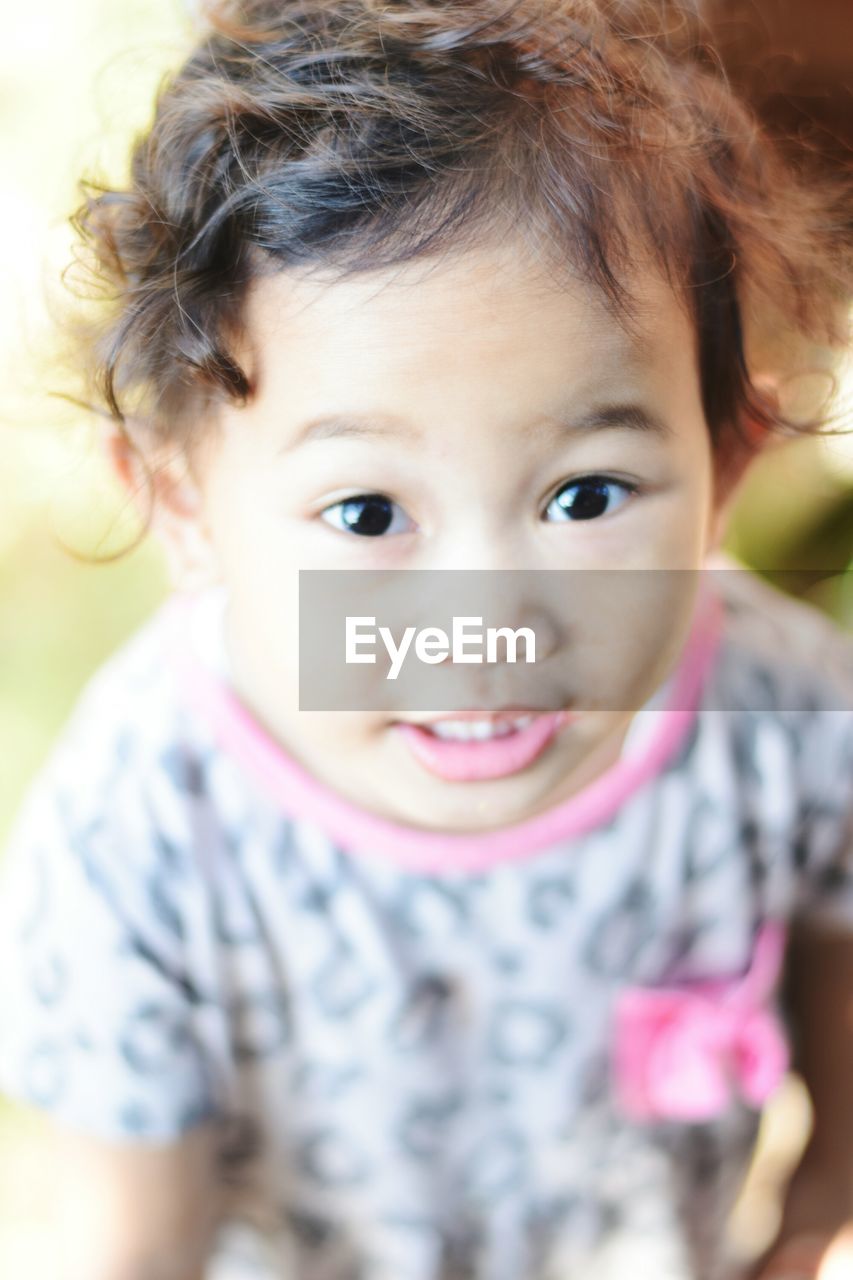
{"x":301,"y":795}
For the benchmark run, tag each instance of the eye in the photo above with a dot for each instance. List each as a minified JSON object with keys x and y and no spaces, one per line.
{"x":589,"y":498}
{"x":371,"y":515}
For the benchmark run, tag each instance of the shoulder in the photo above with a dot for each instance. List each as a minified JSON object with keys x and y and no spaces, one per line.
{"x":103,"y":913}
{"x":106,"y":993}
{"x":777,"y":653}
{"x":123,"y":771}
{"x":784,"y":683}
{"x":128,"y":704}
{"x":774,"y":747}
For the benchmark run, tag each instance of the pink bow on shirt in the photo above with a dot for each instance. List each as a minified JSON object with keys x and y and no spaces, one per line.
{"x":680,"y":1050}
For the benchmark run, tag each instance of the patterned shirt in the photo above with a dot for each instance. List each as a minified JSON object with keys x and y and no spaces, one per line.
{"x":406,"y":1039}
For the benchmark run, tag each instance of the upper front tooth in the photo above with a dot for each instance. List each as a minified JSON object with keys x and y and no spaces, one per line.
{"x":477,"y":730}
{"x":462,"y":729}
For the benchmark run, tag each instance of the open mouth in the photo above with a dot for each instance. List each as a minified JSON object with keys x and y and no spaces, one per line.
{"x":475,"y":746}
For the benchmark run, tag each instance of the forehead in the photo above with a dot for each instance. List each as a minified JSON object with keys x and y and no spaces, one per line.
{"x":495,"y":307}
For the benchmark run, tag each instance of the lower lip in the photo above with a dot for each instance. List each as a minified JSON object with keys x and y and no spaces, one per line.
{"x":480,"y":760}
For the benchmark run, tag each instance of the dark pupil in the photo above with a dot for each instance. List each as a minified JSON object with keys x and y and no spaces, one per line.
{"x":370,"y":516}
{"x":585,"y":501}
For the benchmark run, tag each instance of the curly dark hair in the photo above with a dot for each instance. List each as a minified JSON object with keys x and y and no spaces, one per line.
{"x":354,"y":135}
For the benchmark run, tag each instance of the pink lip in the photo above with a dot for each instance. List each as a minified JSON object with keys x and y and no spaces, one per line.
{"x":479,"y":761}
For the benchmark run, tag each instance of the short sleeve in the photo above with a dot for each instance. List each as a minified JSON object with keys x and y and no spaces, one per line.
{"x":98,"y":1014}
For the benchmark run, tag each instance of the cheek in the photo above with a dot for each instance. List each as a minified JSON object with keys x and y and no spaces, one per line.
{"x":256,"y":550}
{"x":683,"y":538}
{"x":628,"y":638}
{"x":683,"y":534}
{"x":262,"y":583}
{"x":345,"y":730}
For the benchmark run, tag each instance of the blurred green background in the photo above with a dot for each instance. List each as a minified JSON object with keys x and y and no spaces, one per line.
{"x":76,"y":82}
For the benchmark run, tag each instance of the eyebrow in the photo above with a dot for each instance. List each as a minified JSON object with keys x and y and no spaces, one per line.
{"x":631,"y":417}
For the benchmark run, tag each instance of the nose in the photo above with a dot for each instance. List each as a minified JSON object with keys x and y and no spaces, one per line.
{"x":484,"y":574}
{"x":510,"y":655}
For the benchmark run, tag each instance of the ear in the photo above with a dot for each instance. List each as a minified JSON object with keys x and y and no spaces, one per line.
{"x":168,"y":499}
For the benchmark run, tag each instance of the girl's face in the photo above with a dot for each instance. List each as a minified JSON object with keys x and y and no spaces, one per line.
{"x":432,"y":417}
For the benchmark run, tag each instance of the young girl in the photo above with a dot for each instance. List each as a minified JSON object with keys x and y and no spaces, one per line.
{"x":491,"y":993}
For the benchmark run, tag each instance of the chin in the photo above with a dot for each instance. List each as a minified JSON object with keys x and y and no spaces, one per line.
{"x":469,"y":807}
